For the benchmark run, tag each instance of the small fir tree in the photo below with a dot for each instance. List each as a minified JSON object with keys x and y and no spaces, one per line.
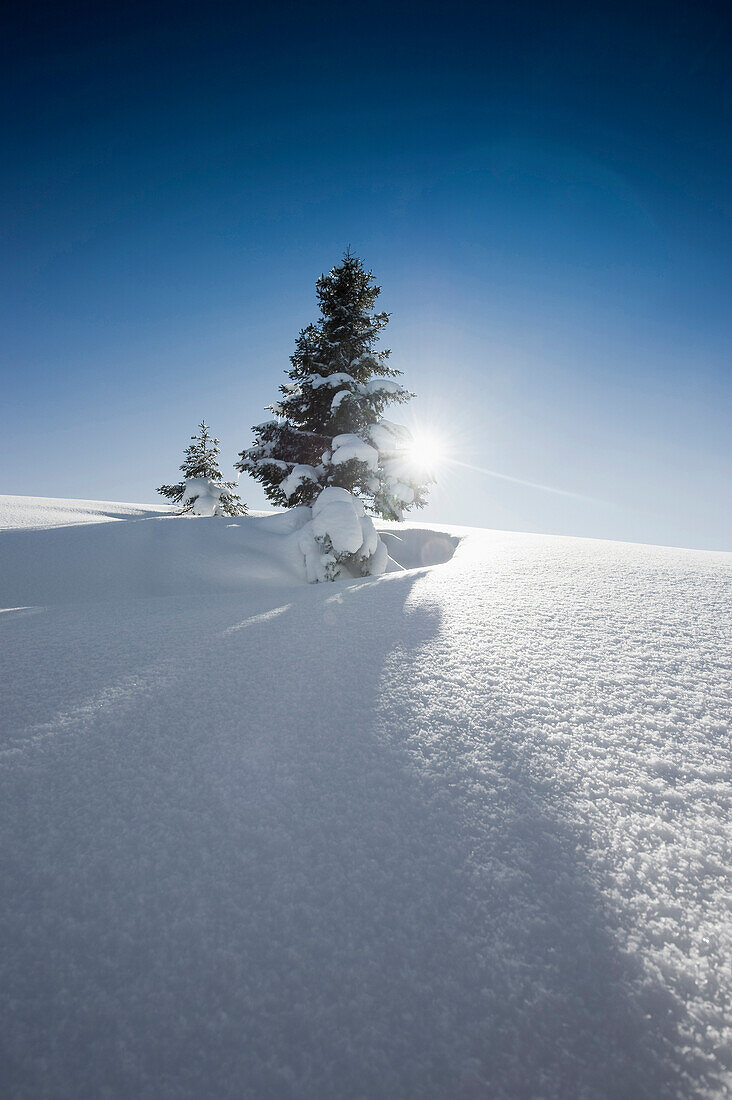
{"x":203,"y":483}
{"x":329,"y":429}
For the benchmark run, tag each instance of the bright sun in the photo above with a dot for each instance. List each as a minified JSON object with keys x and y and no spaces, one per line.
{"x":425,"y":453}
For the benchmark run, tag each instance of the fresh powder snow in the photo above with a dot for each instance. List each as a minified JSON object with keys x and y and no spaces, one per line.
{"x":459,"y":830}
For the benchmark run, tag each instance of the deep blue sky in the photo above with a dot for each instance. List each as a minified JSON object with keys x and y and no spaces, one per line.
{"x":543,"y":192}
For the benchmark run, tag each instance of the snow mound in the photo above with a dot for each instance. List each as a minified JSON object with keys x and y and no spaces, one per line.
{"x":152,"y":554}
{"x":69,"y":551}
{"x":20,"y":512}
{"x":340,"y":539}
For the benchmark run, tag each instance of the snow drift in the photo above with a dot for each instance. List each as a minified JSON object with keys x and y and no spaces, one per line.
{"x":459,"y":831}
{"x":340,"y":540}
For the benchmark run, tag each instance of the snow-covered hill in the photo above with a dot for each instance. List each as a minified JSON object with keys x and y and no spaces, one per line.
{"x":460,"y":831}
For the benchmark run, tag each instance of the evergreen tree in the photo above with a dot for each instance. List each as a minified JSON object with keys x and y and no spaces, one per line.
{"x":203,"y":480}
{"x":329,"y":429}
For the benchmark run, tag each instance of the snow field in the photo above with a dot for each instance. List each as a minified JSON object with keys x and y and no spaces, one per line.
{"x":28,"y":512}
{"x":449,"y":832}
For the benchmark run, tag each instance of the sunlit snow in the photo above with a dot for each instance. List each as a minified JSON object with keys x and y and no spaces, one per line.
{"x":460,"y":830}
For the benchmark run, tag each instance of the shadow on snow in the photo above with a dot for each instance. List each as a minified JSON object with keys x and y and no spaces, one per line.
{"x":277,"y":863}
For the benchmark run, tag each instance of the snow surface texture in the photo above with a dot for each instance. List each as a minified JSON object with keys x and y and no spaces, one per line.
{"x":451,"y":832}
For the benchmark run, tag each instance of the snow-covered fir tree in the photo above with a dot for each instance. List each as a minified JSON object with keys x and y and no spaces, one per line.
{"x":329,"y":429}
{"x":203,"y":491}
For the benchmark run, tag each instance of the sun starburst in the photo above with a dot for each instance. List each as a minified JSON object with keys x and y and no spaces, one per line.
{"x":425,"y":453}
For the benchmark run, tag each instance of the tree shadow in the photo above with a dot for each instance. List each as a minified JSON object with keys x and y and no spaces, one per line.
{"x":284,"y":868}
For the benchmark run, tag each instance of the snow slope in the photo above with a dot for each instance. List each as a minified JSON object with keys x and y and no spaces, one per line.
{"x":459,"y":831}
{"x":29,"y":512}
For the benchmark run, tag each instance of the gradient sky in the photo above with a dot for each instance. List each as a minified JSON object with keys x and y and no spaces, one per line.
{"x":543,"y":192}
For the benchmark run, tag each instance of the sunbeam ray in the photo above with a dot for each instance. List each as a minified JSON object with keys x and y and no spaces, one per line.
{"x":522,"y":481}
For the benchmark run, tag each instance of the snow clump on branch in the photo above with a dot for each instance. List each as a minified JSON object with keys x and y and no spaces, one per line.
{"x":202,"y":496}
